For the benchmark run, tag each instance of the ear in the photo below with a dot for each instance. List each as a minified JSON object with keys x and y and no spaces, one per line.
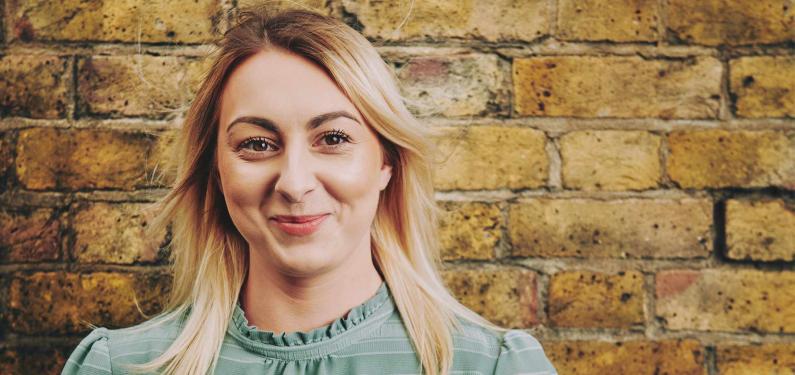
{"x":385,"y":174}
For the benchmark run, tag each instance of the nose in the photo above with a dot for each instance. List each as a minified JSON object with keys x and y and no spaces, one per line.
{"x":296,"y":175}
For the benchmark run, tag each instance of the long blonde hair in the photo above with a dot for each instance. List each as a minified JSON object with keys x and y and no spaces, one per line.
{"x":209,"y":256}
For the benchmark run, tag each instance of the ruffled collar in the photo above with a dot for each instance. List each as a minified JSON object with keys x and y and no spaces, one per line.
{"x":320,"y":341}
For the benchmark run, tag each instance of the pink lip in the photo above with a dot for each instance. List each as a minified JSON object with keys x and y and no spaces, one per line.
{"x":299,"y":225}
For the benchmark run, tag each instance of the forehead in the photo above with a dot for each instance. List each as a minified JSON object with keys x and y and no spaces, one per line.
{"x":283,"y":86}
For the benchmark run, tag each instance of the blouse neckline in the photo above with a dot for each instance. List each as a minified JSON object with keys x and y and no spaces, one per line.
{"x":343,"y":331}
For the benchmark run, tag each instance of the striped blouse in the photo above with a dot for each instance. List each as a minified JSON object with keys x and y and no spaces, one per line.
{"x":370,"y":339}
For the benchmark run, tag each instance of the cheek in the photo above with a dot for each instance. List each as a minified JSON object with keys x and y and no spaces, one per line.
{"x":244,"y":184}
{"x":355,"y":179}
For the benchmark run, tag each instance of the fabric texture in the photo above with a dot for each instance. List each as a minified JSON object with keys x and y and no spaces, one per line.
{"x":370,"y":339}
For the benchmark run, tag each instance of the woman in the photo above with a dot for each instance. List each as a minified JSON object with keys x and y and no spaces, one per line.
{"x":303,"y":224}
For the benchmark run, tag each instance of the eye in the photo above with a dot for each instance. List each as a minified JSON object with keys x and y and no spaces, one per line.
{"x":256,"y":145}
{"x":335,"y":137}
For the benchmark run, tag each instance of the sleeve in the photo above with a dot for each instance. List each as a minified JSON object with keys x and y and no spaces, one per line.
{"x":521,"y":353}
{"x":91,"y":357}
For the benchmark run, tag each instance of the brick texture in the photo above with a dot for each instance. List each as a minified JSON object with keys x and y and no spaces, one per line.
{"x":35,"y":86}
{"x":470,"y":230}
{"x":685,"y":357}
{"x":617,"y":21}
{"x":773,"y":358}
{"x":761,"y":231}
{"x":592,"y":299}
{"x":30,"y":235}
{"x":762,"y":86}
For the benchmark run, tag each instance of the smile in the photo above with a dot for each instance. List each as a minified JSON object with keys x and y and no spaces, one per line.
{"x":299,"y":225}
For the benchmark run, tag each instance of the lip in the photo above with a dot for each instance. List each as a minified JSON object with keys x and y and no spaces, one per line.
{"x":299,"y":225}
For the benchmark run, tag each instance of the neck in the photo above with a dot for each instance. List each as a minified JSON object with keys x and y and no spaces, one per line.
{"x":276,"y":302}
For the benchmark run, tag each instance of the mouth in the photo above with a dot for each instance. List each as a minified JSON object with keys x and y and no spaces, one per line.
{"x":298,"y":225}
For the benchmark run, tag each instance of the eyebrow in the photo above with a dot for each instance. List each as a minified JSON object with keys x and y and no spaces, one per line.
{"x":269,"y":125}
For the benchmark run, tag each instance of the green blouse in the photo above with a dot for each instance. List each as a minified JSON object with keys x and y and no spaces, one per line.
{"x":371,"y":339}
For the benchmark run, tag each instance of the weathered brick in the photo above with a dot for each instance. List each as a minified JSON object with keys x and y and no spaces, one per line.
{"x":315,"y":5}
{"x":588,"y":299}
{"x":42,"y":359}
{"x":83,"y":158}
{"x":499,"y":20}
{"x":114,"y":21}
{"x":611,"y":20}
{"x":727,"y":300}
{"x":505,"y":296}
{"x":770,"y":358}
{"x":134,"y":85}
{"x":680,"y":357}
{"x":35,"y":86}
{"x":62,"y":303}
{"x":761,"y":231}
{"x":113,"y":233}
{"x":763,"y":86}
{"x":719,"y":158}
{"x":730,"y":22}
{"x":7,"y":146}
{"x":628,"y":228}
{"x":454,"y":85}
{"x":469,"y":230}
{"x":610,"y":160}
{"x":617,"y":86}
{"x":30,"y":235}
{"x":468,"y":161}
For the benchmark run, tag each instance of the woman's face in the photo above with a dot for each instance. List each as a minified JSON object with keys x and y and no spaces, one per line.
{"x":300,"y":170}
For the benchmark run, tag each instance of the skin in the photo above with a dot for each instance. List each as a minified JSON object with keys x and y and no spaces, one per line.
{"x":297,"y":283}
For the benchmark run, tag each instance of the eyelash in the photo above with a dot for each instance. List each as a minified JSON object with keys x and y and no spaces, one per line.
{"x":335,"y":132}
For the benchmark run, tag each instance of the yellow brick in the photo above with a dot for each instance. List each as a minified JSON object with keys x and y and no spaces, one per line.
{"x":612,"y":20}
{"x":469,"y":230}
{"x":763,"y":86}
{"x":721,"y":158}
{"x":62,"y":303}
{"x":770,"y":358}
{"x":83,"y":158}
{"x":114,"y":20}
{"x":113,"y":233}
{"x":736,"y":300}
{"x":490,"y":157}
{"x":587,"y":299}
{"x":760,"y":231}
{"x":586,"y":86}
{"x":630,"y":228}
{"x":279,"y":5}
{"x":504,"y":295}
{"x":610,"y":160}
{"x":34,"y":86}
{"x":732,"y":22}
{"x":499,"y":20}
{"x":680,"y":357}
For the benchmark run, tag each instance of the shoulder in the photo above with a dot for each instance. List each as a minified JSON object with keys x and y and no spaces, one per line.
{"x":510,"y":352}
{"x":103,"y":350}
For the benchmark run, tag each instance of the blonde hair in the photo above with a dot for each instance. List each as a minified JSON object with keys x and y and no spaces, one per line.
{"x":209,"y":255}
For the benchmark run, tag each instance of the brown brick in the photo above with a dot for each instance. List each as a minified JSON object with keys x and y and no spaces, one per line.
{"x":62,"y":303}
{"x":30,"y":235}
{"x":504,"y":295}
{"x":629,"y":228}
{"x":727,"y":300}
{"x":35,"y":86}
{"x":84,"y":158}
{"x":611,"y":20}
{"x":456,"y":85}
{"x":113,"y":233}
{"x":721,"y":158}
{"x":761,"y":231}
{"x":730,"y":22}
{"x":164,"y":161}
{"x":42,"y":359}
{"x":499,"y":20}
{"x":114,"y":21}
{"x":468,"y":161}
{"x":587,"y":86}
{"x":680,"y":357}
{"x":771,"y":358}
{"x":763,"y":86}
{"x":7,"y":146}
{"x":610,"y":160}
{"x":134,"y":85}
{"x":596,"y":300}
{"x":469,"y":230}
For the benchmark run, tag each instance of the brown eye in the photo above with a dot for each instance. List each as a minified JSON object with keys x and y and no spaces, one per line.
{"x":335,"y":137}
{"x":256,"y":145}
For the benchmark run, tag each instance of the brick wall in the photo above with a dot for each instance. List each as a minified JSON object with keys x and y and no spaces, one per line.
{"x":618,"y":175}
